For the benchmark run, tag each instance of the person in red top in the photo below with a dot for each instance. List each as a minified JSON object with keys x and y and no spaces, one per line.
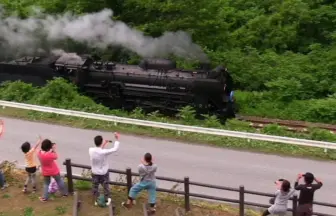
{"x":48,"y":156}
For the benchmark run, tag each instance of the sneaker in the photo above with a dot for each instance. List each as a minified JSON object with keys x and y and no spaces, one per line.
{"x":128,"y":206}
{"x":43,"y":199}
{"x":4,"y":187}
{"x":108,"y":202}
{"x":152,"y":210}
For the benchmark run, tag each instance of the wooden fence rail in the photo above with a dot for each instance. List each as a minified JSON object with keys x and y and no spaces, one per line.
{"x":186,"y":192}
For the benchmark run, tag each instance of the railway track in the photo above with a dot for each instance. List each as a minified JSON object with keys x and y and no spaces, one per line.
{"x":299,"y":126}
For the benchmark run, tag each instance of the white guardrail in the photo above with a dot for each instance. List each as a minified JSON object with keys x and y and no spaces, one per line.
{"x":176,"y":127}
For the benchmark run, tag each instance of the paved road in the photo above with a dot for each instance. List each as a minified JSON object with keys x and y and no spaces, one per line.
{"x":200,"y":163}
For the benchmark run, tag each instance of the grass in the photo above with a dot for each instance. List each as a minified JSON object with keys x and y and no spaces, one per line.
{"x":218,"y":141}
{"x":16,"y":203}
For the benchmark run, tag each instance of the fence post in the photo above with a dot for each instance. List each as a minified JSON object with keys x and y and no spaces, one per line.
{"x":241,"y":200}
{"x":295,"y":199}
{"x":129,"y":179}
{"x":186,"y":194}
{"x":69,"y":175}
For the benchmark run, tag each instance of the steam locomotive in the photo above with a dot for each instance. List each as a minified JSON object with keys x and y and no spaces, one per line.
{"x":154,"y":84}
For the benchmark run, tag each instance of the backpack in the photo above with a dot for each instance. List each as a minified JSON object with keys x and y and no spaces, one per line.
{"x":101,"y":202}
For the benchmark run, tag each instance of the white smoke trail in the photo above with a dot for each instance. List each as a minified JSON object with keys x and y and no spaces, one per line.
{"x":64,"y":55}
{"x":96,"y":30}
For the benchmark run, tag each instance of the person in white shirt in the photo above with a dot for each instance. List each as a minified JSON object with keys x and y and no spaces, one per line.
{"x":100,"y":166}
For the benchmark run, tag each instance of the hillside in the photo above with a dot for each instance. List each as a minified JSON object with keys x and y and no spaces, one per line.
{"x":282,"y":54}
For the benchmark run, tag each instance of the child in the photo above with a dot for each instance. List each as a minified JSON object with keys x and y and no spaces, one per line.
{"x":31,"y":166}
{"x":48,"y":156}
{"x":148,"y":182}
{"x":307,"y":192}
{"x":282,"y":195}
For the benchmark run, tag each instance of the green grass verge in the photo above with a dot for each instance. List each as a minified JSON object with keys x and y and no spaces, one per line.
{"x":225,"y":142}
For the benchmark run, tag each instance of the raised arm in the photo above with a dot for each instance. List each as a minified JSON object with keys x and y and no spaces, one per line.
{"x":115,"y":147}
{"x":296,"y":184}
{"x":38,"y":143}
{"x":105,"y":143}
{"x":52,"y":153}
{"x":318,"y":185}
{"x":111,"y":150}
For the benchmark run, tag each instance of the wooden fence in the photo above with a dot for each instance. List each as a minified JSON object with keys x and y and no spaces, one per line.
{"x":186,"y":193}
{"x":76,"y":204}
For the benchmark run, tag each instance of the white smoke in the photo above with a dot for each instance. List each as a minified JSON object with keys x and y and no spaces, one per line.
{"x":64,"y":55}
{"x":96,"y":30}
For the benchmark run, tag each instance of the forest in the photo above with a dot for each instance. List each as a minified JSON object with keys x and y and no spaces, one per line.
{"x":281,"y":53}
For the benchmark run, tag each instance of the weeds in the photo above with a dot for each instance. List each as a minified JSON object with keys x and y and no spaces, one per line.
{"x":28,"y":211}
{"x":61,"y":210}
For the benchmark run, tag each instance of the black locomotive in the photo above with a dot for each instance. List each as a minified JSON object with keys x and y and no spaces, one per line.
{"x":154,"y":84}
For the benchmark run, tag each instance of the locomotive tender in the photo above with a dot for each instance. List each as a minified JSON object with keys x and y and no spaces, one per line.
{"x":154,"y":84}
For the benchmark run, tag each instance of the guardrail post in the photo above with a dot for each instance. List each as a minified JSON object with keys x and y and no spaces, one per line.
{"x":69,"y":175}
{"x":186,"y":194}
{"x":241,"y":200}
{"x":129,"y":179}
{"x":295,"y":203}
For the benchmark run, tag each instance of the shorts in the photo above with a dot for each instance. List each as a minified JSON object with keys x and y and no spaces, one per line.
{"x":277,"y":210}
{"x":31,"y":169}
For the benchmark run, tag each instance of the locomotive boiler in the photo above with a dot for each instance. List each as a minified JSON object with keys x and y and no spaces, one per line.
{"x":154,"y":84}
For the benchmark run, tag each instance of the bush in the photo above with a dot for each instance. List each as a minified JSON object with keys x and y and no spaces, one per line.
{"x":262,"y":104}
{"x":17,"y":91}
{"x":62,"y":94}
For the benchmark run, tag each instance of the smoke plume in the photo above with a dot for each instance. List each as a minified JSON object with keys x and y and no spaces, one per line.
{"x":95,"y":30}
{"x":64,"y":55}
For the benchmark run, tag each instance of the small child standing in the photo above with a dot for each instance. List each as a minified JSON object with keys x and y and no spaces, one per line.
{"x":31,"y":166}
{"x":148,"y":182}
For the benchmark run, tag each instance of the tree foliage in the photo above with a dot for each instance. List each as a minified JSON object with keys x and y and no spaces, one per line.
{"x":283,"y":49}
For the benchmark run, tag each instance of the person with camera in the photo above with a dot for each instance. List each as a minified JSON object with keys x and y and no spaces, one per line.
{"x":307,"y":191}
{"x":280,"y":201}
{"x":48,"y":156}
{"x":100,"y":166}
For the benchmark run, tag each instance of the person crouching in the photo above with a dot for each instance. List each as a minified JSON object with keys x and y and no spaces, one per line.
{"x":147,"y":182}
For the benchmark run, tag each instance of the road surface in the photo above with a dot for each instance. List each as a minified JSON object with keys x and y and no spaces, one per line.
{"x":201,"y":163}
